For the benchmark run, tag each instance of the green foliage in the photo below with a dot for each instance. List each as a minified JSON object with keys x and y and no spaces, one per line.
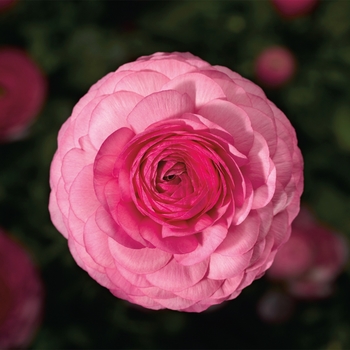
{"x":76,"y":43}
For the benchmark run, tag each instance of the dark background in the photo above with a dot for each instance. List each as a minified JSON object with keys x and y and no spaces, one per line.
{"x":76,"y":43}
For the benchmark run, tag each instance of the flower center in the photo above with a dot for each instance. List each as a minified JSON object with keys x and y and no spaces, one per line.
{"x":175,"y":170}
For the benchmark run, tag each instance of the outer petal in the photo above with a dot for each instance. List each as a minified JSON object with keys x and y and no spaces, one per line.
{"x":174,"y":276}
{"x":143,"y":83}
{"x":200,"y":88}
{"x":139,"y":261}
{"x":158,"y":107}
{"x":223,"y":267}
{"x":110,"y":114}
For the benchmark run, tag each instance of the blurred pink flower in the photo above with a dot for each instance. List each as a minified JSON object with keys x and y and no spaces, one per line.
{"x":311,"y":260}
{"x":175,"y":182}
{"x":6,"y":4}
{"x":294,"y":8}
{"x":21,"y":295}
{"x":22,"y":93}
{"x":275,"y":307}
{"x":275,"y":66}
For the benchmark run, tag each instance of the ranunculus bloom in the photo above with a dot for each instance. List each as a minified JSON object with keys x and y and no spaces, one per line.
{"x":175,"y":182}
{"x":294,"y":8}
{"x":311,"y":260}
{"x":22,"y":93}
{"x":275,"y":66}
{"x":21,"y":295}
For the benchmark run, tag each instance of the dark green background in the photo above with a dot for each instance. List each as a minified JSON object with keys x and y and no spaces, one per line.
{"x":76,"y":43}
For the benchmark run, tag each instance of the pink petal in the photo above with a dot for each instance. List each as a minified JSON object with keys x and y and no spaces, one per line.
{"x":129,"y":218}
{"x":136,"y":280}
{"x":107,"y":86}
{"x":231,"y":118}
{"x":85,"y":261}
{"x":283,"y":162}
{"x":158,"y":107}
{"x":175,"y":277}
{"x":106,"y":224}
{"x":260,"y":103}
{"x":82,"y":196}
{"x":157,"y":293}
{"x":143,"y":83}
{"x":145,"y":302}
{"x":246,"y":84}
{"x":59,"y":207}
{"x":75,"y":228}
{"x":234,"y":93}
{"x":280,"y":229}
{"x":202,"y":290}
{"x":152,"y":232}
{"x":73,"y":162}
{"x":106,"y":158}
{"x":80,"y":122}
{"x":122,"y":283}
{"x":264,"y":125}
{"x":228,"y":286}
{"x":197,"y":86}
{"x":223,"y":267}
{"x":139,"y":261}
{"x":209,"y":240}
{"x":175,"y":303}
{"x":241,"y":238}
{"x":264,"y":193}
{"x":262,"y":258}
{"x":110,"y":115}
{"x":96,"y":243}
{"x":169,"y":67}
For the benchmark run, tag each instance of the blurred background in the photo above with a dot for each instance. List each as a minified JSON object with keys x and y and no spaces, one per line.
{"x":75,"y":43}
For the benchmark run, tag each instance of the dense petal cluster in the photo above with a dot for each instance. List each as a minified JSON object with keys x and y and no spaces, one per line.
{"x":175,"y":182}
{"x":21,"y":295}
{"x":311,"y":260}
{"x":22,"y":93}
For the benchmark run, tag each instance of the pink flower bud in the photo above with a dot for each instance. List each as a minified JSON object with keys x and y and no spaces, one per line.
{"x":6,"y":4}
{"x":311,"y":260}
{"x":22,"y":93}
{"x":21,"y":295}
{"x":294,"y":8}
{"x":275,"y":66}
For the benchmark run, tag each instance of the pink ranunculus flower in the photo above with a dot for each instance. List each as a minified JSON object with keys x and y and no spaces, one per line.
{"x":311,"y":260}
{"x":21,"y":295}
{"x":22,"y":93}
{"x":294,"y":8}
{"x":275,"y":66}
{"x":175,"y":182}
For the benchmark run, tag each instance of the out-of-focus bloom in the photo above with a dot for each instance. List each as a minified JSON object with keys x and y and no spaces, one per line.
{"x":21,"y":295}
{"x":175,"y":182}
{"x":275,"y":307}
{"x":275,"y":66}
{"x":311,"y":260}
{"x":22,"y":93}
{"x":294,"y":8}
{"x":6,"y":4}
